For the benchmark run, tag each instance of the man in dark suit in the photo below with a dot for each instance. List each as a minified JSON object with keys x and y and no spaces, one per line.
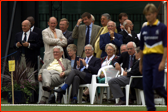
{"x":64,"y":24}
{"x":128,"y":34}
{"x":110,"y":37}
{"x":87,"y":67}
{"x":122,"y":17}
{"x":116,"y":83}
{"x":27,"y":45}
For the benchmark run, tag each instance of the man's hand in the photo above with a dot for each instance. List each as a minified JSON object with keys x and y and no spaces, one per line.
{"x":40,"y":78}
{"x":62,"y":74}
{"x":124,"y":73}
{"x":161,"y":66}
{"x":122,"y":27}
{"x":83,"y":61}
{"x":25,"y":44}
{"x":18,"y":44}
{"x":111,"y":34}
{"x":79,"y":22}
{"x":78,"y":63}
{"x":117,"y":67}
{"x":129,"y":30}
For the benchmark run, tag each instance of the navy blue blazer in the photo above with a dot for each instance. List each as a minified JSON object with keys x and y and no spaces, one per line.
{"x":105,"y":39}
{"x":93,"y":68}
{"x":30,"y":53}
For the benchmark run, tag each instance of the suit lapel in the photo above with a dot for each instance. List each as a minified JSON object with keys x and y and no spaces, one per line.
{"x":51,"y":33}
{"x":64,"y":63}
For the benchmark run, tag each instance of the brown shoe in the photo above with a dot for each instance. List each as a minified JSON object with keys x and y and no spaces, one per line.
{"x":121,"y":103}
{"x":42,"y":102}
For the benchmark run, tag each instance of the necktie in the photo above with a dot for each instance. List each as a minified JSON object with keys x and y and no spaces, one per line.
{"x":131,"y":62}
{"x":61,"y":65}
{"x":23,"y":49}
{"x":84,"y":66}
{"x":87,"y":36}
{"x":55,"y":35}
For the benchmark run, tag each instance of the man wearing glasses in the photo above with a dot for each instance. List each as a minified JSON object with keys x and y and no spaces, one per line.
{"x":127,"y":59}
{"x":128,"y":34}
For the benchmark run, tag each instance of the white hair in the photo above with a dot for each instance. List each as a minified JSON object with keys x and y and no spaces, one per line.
{"x":89,"y":45}
{"x":58,"y":47}
{"x":93,"y":19}
{"x":113,"y":22}
{"x":113,"y":46}
{"x":134,"y":45}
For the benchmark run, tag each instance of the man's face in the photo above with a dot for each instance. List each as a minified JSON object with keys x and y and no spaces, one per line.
{"x":57,"y":54}
{"x":111,"y":26}
{"x":52,"y":23}
{"x":88,"y":51}
{"x":151,"y":17}
{"x":129,"y":24}
{"x":87,"y":21}
{"x":123,"y":19}
{"x":123,"y":49}
{"x":110,"y":51}
{"x":63,"y":26}
{"x":104,"y":20}
{"x":130,"y":49}
{"x":25,"y":26}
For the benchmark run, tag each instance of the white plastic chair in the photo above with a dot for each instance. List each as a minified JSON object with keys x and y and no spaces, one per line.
{"x":94,"y":84}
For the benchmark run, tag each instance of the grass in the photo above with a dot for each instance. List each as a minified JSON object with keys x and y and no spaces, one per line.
{"x":80,"y":107}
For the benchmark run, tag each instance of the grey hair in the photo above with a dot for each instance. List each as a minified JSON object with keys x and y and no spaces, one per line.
{"x":107,"y":16}
{"x":58,"y":47}
{"x":124,"y":23}
{"x":134,"y":45}
{"x":89,"y":45}
{"x":122,"y":45}
{"x":113,"y":22}
{"x":113,"y":46}
{"x":93,"y":19}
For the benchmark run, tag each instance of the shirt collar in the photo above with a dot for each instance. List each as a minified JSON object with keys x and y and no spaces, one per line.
{"x":32,"y":28}
{"x":90,"y":26}
{"x":155,"y":23}
{"x":27,"y":32}
{"x":89,"y":57}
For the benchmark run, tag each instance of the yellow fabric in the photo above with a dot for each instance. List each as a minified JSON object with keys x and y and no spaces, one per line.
{"x":159,"y":49}
{"x":98,"y":51}
{"x":55,"y":66}
{"x":155,"y":23}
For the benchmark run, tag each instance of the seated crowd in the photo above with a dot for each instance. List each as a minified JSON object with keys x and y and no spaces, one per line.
{"x":68,"y":64}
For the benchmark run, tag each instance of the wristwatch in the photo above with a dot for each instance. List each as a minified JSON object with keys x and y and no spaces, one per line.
{"x":113,"y":38}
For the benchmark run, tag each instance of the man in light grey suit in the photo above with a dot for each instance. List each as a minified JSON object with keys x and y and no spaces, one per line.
{"x":85,"y":33}
{"x":53,"y":72}
{"x":51,"y":38}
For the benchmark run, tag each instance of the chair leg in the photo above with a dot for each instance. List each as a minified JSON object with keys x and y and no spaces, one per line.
{"x":69,"y":94}
{"x":142,"y":97}
{"x":117,"y":100}
{"x":138,"y":99}
{"x":80,"y":94}
{"x":92,"y":93}
{"x":101,"y":94}
{"x":127,"y":88}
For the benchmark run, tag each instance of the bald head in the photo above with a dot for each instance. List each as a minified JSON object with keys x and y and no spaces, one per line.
{"x":26,"y":25}
{"x":52,"y":23}
{"x":31,"y":19}
{"x":128,"y":23}
{"x":111,"y":25}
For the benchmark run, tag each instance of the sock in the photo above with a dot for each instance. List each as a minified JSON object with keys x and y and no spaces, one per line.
{"x":75,"y":98}
{"x":64,"y":87}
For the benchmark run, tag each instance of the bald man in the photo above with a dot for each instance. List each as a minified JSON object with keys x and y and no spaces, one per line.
{"x":26,"y":43}
{"x":128,"y":34}
{"x":51,"y":38}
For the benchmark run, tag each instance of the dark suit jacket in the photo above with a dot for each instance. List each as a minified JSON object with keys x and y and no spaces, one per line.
{"x":30,"y":53}
{"x":70,"y":40}
{"x":124,"y":58}
{"x":105,"y":39}
{"x":137,"y":82}
{"x":93,"y":68}
{"x":127,"y":38}
{"x":118,"y":29}
{"x":75,"y":64}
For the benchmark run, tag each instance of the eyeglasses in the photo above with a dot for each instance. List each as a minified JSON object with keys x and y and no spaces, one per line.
{"x":88,"y":49}
{"x":129,"y":48}
{"x":56,"y":52}
{"x":109,"y":49}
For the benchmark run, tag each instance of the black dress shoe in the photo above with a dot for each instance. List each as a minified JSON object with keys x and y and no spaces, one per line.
{"x":74,"y":101}
{"x":59,"y":97}
{"x":47,"y":88}
{"x":42,"y":102}
{"x":121,"y":103}
{"x":51,"y":99}
{"x":59,"y":90}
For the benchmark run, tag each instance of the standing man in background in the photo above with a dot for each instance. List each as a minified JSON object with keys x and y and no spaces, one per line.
{"x":153,"y":47}
{"x":52,"y":37}
{"x":64,"y":24}
{"x":122,"y":17}
{"x":85,"y":33}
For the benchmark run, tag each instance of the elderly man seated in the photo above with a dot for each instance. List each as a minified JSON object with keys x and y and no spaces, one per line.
{"x":88,"y":67}
{"x":53,"y":72}
{"x":116,"y":83}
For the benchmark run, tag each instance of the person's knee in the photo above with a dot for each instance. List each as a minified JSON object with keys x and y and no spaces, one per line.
{"x":76,"y":78}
